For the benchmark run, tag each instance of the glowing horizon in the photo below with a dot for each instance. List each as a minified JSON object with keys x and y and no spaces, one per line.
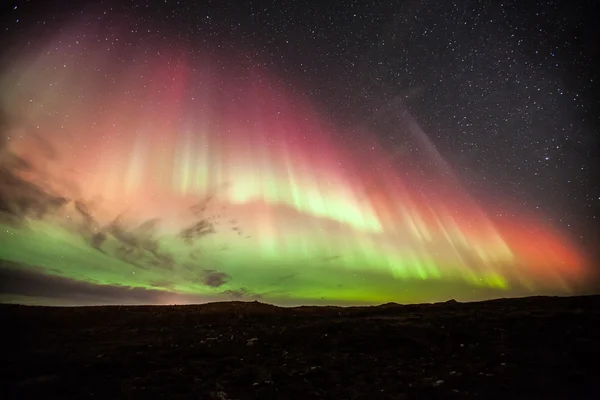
{"x":188,"y":178}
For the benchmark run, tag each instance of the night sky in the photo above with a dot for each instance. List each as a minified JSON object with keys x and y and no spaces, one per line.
{"x":366,"y":151}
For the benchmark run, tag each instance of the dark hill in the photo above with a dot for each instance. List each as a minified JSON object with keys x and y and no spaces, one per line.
{"x":538,"y":347}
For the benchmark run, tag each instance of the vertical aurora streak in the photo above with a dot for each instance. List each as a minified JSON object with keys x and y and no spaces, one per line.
{"x":297,"y":215}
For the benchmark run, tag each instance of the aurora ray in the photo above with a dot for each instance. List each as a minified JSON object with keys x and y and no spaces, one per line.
{"x":194,"y":179}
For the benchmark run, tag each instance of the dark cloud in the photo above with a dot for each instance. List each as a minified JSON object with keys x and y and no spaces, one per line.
{"x":214,"y":278}
{"x":19,"y":280}
{"x":97,"y":239}
{"x":201,"y":225}
{"x":19,"y":198}
{"x":89,"y":221}
{"x":29,"y":282}
{"x":241,"y":293}
{"x":197,"y":230}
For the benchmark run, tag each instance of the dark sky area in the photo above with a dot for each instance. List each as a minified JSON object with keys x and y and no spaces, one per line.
{"x":506,"y":91}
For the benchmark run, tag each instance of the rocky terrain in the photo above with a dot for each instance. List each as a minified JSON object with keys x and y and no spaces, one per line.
{"x":537,"y":347}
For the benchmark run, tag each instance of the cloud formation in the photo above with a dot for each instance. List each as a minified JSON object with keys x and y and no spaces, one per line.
{"x":26,"y":281}
{"x":214,"y":278}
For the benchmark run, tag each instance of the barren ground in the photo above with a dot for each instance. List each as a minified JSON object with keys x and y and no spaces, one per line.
{"x":507,"y":349}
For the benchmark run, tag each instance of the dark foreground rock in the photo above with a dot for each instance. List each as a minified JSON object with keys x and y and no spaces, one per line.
{"x":505,"y":349}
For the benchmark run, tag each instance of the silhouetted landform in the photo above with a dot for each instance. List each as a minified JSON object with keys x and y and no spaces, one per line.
{"x":538,"y":347}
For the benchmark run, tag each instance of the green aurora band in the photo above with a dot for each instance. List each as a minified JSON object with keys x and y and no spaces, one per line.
{"x":191,"y":183}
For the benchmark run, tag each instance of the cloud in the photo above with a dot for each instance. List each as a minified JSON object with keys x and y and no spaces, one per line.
{"x":241,"y":293}
{"x":24,"y":281}
{"x":213,"y":278}
{"x":29,"y":284}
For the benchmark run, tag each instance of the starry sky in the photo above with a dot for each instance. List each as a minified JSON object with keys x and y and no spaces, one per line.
{"x":429,"y":123}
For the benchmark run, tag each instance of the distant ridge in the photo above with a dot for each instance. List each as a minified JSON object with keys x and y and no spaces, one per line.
{"x":258,"y":308}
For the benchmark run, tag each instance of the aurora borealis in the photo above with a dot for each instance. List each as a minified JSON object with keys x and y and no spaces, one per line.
{"x":146,"y":170}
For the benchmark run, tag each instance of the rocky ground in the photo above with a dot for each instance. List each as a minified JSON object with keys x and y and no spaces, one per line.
{"x":507,"y":349}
